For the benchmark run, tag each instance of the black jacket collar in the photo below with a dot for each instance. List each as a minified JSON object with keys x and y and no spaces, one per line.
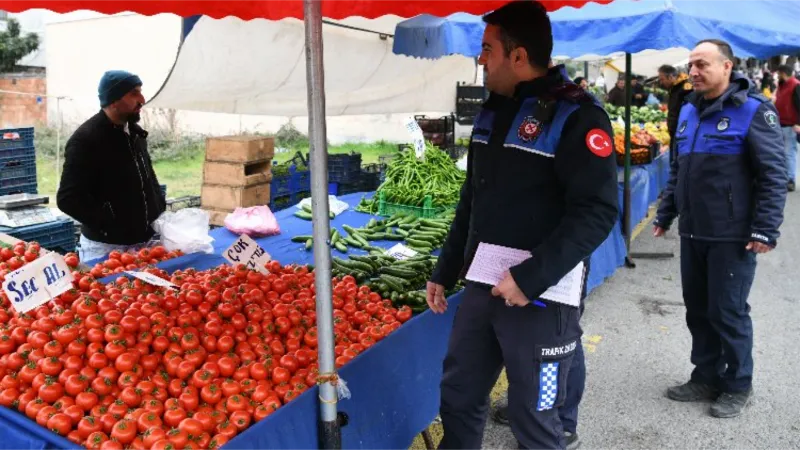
{"x":133,"y":127}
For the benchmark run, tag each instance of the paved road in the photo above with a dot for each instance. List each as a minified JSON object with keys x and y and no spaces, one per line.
{"x":637,"y":345}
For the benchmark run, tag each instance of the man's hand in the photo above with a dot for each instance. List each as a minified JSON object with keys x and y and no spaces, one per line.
{"x":796,"y":129}
{"x":758,"y":247}
{"x":510,"y":292}
{"x":436,"y":300}
{"x":658,"y":231}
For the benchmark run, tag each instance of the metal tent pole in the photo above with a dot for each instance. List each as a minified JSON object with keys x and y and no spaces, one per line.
{"x":626,"y":196}
{"x":329,"y":433}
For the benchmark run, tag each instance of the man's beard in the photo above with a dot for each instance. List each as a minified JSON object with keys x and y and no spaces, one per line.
{"x":134,"y":117}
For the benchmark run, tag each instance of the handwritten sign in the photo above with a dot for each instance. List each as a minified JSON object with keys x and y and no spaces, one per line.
{"x":416,"y":136}
{"x":246,"y":251}
{"x":401,"y":252}
{"x":37,"y":282}
{"x":149,"y":278}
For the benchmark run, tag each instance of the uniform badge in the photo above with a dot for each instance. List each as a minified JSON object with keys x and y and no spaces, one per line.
{"x":529,"y":129}
{"x":599,"y":143}
{"x":682,"y":127}
{"x":723,"y":124}
{"x":771,"y":118}
{"x":548,"y":386}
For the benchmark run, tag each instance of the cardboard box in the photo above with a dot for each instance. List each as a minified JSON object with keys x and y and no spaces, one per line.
{"x":228,"y":198}
{"x":239,"y":149}
{"x":237,"y":174}
{"x":217,"y":217}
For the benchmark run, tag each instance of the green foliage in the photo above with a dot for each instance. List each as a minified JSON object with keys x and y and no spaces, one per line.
{"x":290,"y":137}
{"x":14,"y":46}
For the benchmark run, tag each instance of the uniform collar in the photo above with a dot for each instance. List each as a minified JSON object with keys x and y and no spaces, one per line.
{"x":555,"y":76}
{"x":134,"y":128}
{"x":736,"y":93}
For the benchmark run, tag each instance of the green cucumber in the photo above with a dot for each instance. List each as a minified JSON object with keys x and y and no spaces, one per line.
{"x":334,"y":237}
{"x":309,"y":244}
{"x":340,"y":246}
{"x":307,"y":207}
{"x":302,"y":214}
{"x":391,"y":283}
{"x":302,"y":238}
{"x":398,"y":272}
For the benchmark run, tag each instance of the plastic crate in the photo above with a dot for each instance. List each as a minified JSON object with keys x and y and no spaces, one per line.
{"x":49,"y":235}
{"x":16,"y":138}
{"x":64,"y":246}
{"x":18,"y":152}
{"x":300,"y":181}
{"x":344,"y":168}
{"x":427,"y":211}
{"x":15,"y":171}
{"x":30,"y":188}
{"x":279,"y":186}
{"x":456,"y":152}
{"x":370,"y":181}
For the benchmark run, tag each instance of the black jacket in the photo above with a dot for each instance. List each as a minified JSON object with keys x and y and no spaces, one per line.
{"x":677,"y":96}
{"x":728,"y":182}
{"x":108,"y":183}
{"x":560,"y":207}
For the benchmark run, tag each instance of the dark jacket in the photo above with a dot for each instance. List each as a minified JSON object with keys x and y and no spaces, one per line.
{"x":677,"y":96}
{"x":729,"y":180}
{"x":108,"y":183}
{"x":616,"y":96}
{"x":532,"y":183}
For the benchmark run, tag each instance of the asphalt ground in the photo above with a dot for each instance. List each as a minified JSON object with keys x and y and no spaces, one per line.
{"x":637,"y":345}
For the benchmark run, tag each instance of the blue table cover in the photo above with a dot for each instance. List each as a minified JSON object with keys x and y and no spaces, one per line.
{"x":395,"y":387}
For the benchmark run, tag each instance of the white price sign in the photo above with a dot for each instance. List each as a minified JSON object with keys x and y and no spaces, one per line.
{"x":246,"y":251}
{"x":151,"y":279}
{"x":401,"y":252}
{"x":416,"y":136}
{"x":38,"y":282}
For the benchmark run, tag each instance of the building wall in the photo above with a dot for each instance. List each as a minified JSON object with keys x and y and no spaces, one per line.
{"x":20,"y":110}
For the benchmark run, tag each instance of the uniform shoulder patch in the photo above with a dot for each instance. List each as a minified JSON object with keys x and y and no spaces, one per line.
{"x":771,"y":118}
{"x":599,"y":142}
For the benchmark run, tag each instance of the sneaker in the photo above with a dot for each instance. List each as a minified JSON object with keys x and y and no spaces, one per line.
{"x":573,"y":442}
{"x":500,"y":414}
{"x":692,"y":392}
{"x":730,"y":405}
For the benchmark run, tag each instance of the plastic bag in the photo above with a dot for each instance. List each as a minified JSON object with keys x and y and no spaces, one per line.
{"x":253,"y":221}
{"x":185,"y":230}
{"x":335,"y":205}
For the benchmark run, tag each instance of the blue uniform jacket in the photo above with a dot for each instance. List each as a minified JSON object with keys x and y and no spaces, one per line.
{"x":541,"y":176}
{"x":728,"y":183}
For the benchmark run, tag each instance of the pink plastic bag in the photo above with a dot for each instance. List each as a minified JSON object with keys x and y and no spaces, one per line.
{"x":253,"y":221}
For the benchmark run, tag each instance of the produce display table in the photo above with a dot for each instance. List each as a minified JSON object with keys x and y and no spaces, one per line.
{"x":395,"y":386}
{"x":647,"y":183}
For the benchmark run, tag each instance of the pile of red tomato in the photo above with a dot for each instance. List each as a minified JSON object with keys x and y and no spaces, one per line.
{"x":118,"y":262}
{"x":130,"y":365}
{"x":22,"y":253}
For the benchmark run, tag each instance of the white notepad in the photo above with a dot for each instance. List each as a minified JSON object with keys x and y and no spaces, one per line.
{"x":491,"y":262}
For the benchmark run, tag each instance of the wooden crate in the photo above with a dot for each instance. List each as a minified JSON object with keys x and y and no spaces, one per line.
{"x":237,"y":174}
{"x":239,"y":149}
{"x":216,"y":196}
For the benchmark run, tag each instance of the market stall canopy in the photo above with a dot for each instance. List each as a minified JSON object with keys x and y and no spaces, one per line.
{"x":754,"y":28}
{"x":258,"y":67}
{"x":275,"y":10}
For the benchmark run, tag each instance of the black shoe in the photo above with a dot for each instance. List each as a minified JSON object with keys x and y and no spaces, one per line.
{"x":573,"y":442}
{"x":791,"y":187}
{"x":692,"y":392}
{"x":500,"y":414}
{"x":730,"y":405}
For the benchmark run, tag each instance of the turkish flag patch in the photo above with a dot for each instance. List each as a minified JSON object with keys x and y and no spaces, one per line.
{"x":599,"y":143}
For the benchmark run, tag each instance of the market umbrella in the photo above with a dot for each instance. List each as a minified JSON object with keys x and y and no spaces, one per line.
{"x":312,"y":12}
{"x":759,"y":28}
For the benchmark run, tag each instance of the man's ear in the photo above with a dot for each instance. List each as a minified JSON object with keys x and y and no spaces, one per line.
{"x":519,"y":56}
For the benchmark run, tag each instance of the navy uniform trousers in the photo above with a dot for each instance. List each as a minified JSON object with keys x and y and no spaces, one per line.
{"x":537,"y":346}
{"x":716,"y":278}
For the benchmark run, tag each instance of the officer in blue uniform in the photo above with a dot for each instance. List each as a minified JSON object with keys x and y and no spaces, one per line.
{"x":540,"y":177}
{"x":728,"y":187}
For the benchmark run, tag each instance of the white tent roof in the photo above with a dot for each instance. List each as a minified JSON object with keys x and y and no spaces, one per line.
{"x":258,"y":67}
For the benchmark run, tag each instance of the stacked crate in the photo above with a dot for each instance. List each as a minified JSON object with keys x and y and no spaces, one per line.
{"x":17,"y":161}
{"x":236,"y":173}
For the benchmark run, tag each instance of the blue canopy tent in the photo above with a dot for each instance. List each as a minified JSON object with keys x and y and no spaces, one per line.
{"x":754,"y":28}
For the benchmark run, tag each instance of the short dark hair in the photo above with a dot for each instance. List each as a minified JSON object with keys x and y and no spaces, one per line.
{"x":723,"y":47}
{"x":578,"y":80}
{"x":668,"y":70}
{"x":786,"y":70}
{"x":524,"y":24}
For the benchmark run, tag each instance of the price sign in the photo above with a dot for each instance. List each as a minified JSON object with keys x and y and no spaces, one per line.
{"x":149,"y":278}
{"x":246,"y":251}
{"x":416,"y":136}
{"x":38,"y":282}
{"x":401,"y":252}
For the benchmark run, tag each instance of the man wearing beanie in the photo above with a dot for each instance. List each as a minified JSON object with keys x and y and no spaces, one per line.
{"x":108,"y":183}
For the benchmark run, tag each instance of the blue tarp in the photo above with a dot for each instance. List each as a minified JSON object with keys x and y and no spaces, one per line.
{"x":757,"y":28}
